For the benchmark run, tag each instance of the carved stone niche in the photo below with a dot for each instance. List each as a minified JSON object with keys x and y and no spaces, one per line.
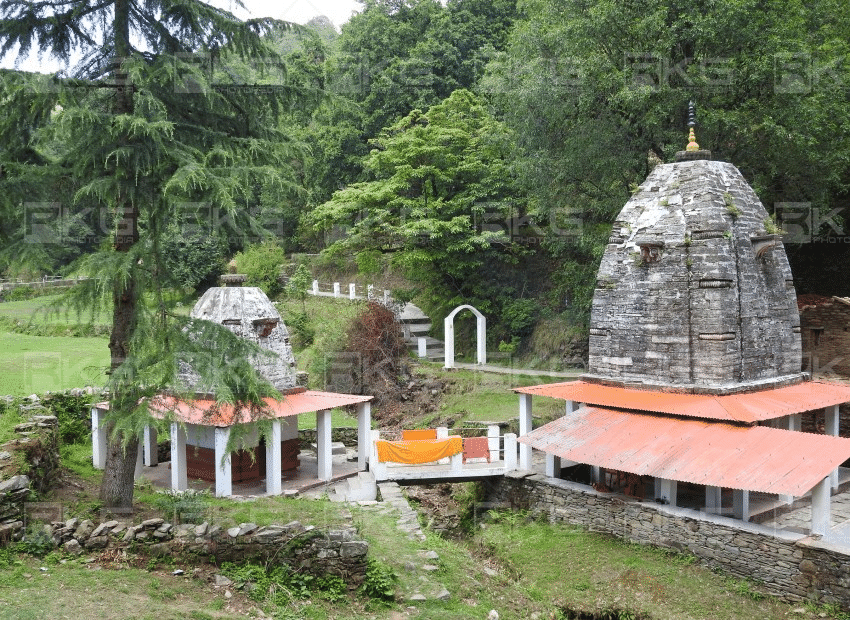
{"x":763,"y":243}
{"x":265,"y":326}
{"x":650,"y":250}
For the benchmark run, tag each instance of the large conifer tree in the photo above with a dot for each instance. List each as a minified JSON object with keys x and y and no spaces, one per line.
{"x":140,"y":127}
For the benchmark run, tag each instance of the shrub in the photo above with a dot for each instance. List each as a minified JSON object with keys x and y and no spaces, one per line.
{"x":195,"y":260}
{"x":261,"y":264}
{"x":379,"y":584}
{"x":376,"y":341}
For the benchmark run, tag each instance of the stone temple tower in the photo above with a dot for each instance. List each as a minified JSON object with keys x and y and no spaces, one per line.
{"x":248,"y":312}
{"x":694,"y":292}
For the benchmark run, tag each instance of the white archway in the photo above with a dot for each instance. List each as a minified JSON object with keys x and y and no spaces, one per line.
{"x":481,"y":337}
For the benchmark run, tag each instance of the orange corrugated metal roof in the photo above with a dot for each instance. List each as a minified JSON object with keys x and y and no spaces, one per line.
{"x":746,"y":407}
{"x":753,"y":458}
{"x":207,"y":412}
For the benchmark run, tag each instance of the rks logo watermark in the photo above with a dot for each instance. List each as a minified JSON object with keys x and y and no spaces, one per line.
{"x":802,"y":222}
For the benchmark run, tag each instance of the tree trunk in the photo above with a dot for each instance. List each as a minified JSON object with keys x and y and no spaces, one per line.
{"x":116,"y":491}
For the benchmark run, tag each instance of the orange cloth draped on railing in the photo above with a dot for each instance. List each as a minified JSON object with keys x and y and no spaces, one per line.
{"x":419,"y":450}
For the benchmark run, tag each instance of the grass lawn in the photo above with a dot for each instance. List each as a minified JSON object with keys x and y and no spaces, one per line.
{"x":36,"y":364}
{"x":78,"y":590}
{"x":485,"y":396}
{"x":567,"y":567}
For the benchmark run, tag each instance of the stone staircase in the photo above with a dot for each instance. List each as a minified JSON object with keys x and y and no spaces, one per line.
{"x":424,"y":564}
{"x":359,"y":488}
{"x":416,"y":324}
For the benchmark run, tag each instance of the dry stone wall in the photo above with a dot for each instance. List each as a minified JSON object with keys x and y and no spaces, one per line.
{"x":825,"y":330}
{"x":336,"y":552}
{"x":30,"y":463}
{"x":791,"y":566}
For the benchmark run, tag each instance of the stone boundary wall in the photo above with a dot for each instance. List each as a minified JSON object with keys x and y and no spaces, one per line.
{"x":38,"y":440}
{"x":793,"y":567}
{"x":337,"y":551}
{"x":823,"y":329}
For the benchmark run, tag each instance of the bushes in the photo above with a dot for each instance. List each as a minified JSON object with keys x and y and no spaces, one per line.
{"x":376,"y":341}
{"x":261,"y":264}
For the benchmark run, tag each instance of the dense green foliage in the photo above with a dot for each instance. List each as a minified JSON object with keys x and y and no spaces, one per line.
{"x":481,"y":147}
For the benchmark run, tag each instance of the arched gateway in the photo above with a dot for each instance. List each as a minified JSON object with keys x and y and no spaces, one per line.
{"x":481,"y":337}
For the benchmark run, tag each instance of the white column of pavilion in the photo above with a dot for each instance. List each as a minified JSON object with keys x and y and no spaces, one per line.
{"x":831,"y":425}
{"x":323,"y":444}
{"x":524,"y":428}
{"x":553,"y":463}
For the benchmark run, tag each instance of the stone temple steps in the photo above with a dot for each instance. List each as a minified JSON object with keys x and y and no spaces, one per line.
{"x":416,"y":324}
{"x":359,"y":488}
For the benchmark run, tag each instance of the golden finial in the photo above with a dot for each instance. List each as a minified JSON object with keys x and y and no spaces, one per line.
{"x":692,"y":140}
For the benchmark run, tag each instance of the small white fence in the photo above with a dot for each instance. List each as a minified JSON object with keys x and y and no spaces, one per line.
{"x":502,"y":459}
{"x":45,"y":282}
{"x":350,"y":291}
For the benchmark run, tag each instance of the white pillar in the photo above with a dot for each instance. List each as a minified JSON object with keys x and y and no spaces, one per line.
{"x":274,"y":484}
{"x":821,"y":507}
{"x":352,"y":291}
{"x":792,"y":423}
{"x":336,"y":289}
{"x":457,"y":462}
{"x":510,"y":452}
{"x":323,"y":444}
{"x":364,"y":429}
{"x":493,"y":442}
{"x":481,"y":340}
{"x":99,"y":437}
{"x":570,"y":406}
{"x":315,"y":287}
{"x":179,"y":474}
{"x":449,"y":343}
{"x":222,"y":465}
{"x":149,"y":446}
{"x":443,"y":433}
{"x":369,"y":291}
{"x":553,"y":466}
{"x":741,"y":504}
{"x":831,"y":425}
{"x":524,"y":429}
{"x":375,"y":466}
{"x":668,"y":490}
{"x":422,"y":345}
{"x":713,"y":501}
{"x":596,"y":476}
{"x":386,"y":297}
{"x":140,"y":462}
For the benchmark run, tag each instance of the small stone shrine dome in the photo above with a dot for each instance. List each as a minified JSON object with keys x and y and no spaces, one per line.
{"x":248,"y":312}
{"x":694,"y":292}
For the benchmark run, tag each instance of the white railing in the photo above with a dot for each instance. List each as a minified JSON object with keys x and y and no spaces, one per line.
{"x":349,"y":291}
{"x":45,"y":282}
{"x":503,"y":459}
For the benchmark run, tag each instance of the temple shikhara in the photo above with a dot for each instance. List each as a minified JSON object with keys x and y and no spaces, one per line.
{"x":694,"y":377}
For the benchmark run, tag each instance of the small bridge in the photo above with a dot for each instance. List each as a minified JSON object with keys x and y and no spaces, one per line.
{"x":432,"y":455}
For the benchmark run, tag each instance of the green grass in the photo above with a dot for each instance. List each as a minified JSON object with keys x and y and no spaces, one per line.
{"x":36,"y":364}
{"x":591,"y":572}
{"x":78,"y":590}
{"x":475,"y":396}
{"x":37,"y":312}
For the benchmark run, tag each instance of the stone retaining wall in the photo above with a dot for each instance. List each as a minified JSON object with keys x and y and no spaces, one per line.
{"x":337,"y":552}
{"x":37,"y":441}
{"x":793,"y":567}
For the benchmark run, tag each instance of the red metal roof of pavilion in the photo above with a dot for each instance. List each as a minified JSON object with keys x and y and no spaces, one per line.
{"x":748,"y":407}
{"x":753,"y":458}
{"x":207,"y":412}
